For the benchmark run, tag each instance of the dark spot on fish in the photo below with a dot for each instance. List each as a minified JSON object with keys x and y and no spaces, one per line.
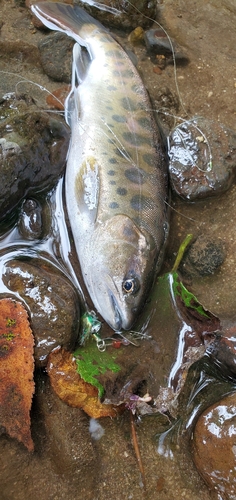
{"x":111,"y":87}
{"x":149,"y":159}
{"x":113,"y":204}
{"x":113,"y":161}
{"x":138,"y":89}
{"x":144,"y":122}
{"x":119,"y":118}
{"x":109,"y":107}
{"x":129,"y":104}
{"x":134,"y":175}
{"x":115,"y":72}
{"x":111,"y":172}
{"x":111,"y":141}
{"x":135,"y":139}
{"x":114,"y":53}
{"x":127,"y":231}
{"x":134,"y":88}
{"x":112,"y":182}
{"x":127,"y":73}
{"x":121,"y":191}
{"x":141,"y":202}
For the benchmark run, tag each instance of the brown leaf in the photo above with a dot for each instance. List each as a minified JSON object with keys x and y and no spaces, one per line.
{"x":57,"y":98}
{"x":16,"y":371}
{"x":72,"y":389}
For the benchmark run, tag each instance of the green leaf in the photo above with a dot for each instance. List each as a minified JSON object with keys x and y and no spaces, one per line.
{"x":187,"y":297}
{"x":91,"y":363}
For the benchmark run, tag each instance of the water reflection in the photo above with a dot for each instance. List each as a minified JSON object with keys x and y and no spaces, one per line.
{"x":54,"y":247}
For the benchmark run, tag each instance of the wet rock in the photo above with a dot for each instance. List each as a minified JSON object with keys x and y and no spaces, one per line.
{"x":157,"y":42}
{"x":30,"y":220}
{"x":33,"y":149}
{"x":52,"y":302}
{"x":56,"y":56}
{"x":202,"y":157}
{"x":122,"y":13}
{"x":223,"y":351}
{"x":68,"y":440}
{"x":203,"y":257}
{"x":214,"y":447}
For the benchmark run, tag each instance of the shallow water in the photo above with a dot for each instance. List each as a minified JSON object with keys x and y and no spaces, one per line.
{"x":207,"y":87}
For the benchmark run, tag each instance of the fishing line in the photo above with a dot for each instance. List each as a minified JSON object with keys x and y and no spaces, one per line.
{"x":210,"y":162}
{"x":121,"y":149}
{"x":180,"y":213}
{"x":41,"y":87}
{"x":102,"y":6}
{"x":172,"y":50}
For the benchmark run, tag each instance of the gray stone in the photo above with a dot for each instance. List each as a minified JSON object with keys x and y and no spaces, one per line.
{"x":203,"y":257}
{"x":158,"y":42}
{"x":202,"y":157}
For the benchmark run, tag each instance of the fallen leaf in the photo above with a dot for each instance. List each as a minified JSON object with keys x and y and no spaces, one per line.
{"x":92,"y":364}
{"x":57,"y":98}
{"x":72,"y":389}
{"x":16,"y":371}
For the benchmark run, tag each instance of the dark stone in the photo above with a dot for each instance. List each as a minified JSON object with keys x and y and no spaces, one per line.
{"x":223,"y":351}
{"x":56,"y":56}
{"x":202,"y":157}
{"x":125,"y":16}
{"x":52,"y":301}
{"x":203,"y":257}
{"x":158,"y":42}
{"x":33,"y":149}
{"x":30,"y":220}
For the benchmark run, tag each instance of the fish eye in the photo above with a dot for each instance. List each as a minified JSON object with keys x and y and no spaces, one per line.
{"x":130,"y":285}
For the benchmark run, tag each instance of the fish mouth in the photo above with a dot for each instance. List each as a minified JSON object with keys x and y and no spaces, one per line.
{"x":117,"y":320}
{"x":120,"y":321}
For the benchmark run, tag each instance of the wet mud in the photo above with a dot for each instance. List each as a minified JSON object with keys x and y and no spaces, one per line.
{"x":67,"y":463}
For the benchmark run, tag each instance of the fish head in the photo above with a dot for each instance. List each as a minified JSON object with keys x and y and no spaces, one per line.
{"x":119,"y":270}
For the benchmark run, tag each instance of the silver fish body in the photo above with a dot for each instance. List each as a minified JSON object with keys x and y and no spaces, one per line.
{"x":116,"y":174}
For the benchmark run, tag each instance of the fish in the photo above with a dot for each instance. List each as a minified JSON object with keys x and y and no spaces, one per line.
{"x":116,"y":184}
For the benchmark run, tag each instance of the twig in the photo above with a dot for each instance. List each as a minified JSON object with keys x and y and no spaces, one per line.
{"x":137,"y":450}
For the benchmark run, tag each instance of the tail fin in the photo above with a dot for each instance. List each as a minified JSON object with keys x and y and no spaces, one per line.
{"x":68,"y":19}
